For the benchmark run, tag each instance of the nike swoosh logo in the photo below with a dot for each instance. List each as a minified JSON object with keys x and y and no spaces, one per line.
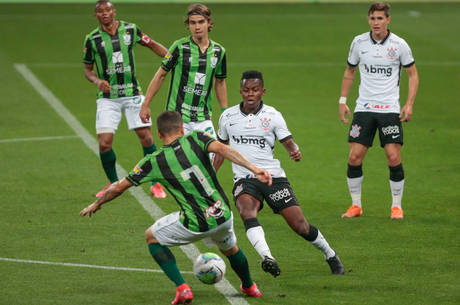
{"x":364,"y":52}
{"x":232,"y":124}
{"x":394,"y":137}
{"x":287,"y":200}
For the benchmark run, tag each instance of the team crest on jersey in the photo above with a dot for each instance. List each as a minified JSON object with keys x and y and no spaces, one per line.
{"x":127,"y":39}
{"x":354,"y":132}
{"x":214,"y":61}
{"x":392,"y":54}
{"x":265,"y":123}
{"x":238,"y":190}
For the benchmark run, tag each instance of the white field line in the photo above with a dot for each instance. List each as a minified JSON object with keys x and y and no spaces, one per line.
{"x":224,"y":287}
{"x":28,"y":261}
{"x":37,"y":139}
{"x":155,"y":64}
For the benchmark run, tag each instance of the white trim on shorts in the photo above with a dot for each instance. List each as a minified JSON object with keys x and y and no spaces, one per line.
{"x":169,"y":231}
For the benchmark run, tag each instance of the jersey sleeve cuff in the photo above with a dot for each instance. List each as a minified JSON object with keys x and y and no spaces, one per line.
{"x":286,"y":138}
{"x":221,"y":140}
{"x":408,"y":65}
{"x":351,"y":65}
{"x":88,"y":62}
{"x":221,"y":76}
{"x":163,"y":66}
{"x":132,"y":181}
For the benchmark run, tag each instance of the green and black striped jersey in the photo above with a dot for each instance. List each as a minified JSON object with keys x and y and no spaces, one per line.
{"x":192,"y":77}
{"x":185,"y":169}
{"x":113,"y":56}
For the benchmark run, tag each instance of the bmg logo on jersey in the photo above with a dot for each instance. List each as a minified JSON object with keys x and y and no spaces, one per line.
{"x":390,"y":130}
{"x":280,"y":194}
{"x":259,"y":141}
{"x":387,"y":71}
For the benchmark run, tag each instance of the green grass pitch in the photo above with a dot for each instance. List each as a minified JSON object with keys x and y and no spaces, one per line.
{"x":302,"y":51}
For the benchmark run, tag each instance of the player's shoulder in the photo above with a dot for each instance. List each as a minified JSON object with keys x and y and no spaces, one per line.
{"x":93,"y":34}
{"x":217,"y":46}
{"x":181,"y":42}
{"x":128,"y":25}
{"x":269,"y":110}
{"x":230,"y":112}
{"x":362,"y":38}
{"x":395,"y":39}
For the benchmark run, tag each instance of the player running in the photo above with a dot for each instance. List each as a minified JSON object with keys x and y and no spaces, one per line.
{"x":111,"y":48}
{"x":380,"y":55}
{"x":196,"y":63}
{"x":252,"y":128}
{"x":183,"y":166}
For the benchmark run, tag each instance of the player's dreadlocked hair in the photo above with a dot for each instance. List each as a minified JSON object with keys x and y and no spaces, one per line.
{"x":252,"y":74}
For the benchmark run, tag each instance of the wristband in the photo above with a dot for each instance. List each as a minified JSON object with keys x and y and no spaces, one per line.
{"x":343,"y":100}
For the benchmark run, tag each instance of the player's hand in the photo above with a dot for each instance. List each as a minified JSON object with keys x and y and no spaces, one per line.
{"x":406,"y":113}
{"x":263,"y":175}
{"x":91,"y":209}
{"x":103,"y":85}
{"x":145,"y":113}
{"x":344,"y":110}
{"x":296,"y":155}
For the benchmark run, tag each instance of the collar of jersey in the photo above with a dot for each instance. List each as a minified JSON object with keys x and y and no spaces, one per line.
{"x":255,"y":113}
{"x":383,"y":40}
{"x":193,"y":41}
{"x":116,"y":33}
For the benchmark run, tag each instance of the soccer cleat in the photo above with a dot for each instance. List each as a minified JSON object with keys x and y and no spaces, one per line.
{"x":353,"y":211}
{"x":396,"y":213}
{"x":336,"y":265}
{"x":100,"y":193}
{"x":157,"y":190}
{"x":184,"y":295}
{"x":252,"y":291}
{"x":271,"y":266}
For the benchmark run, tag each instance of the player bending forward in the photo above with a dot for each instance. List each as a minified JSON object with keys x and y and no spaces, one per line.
{"x":251,"y":128}
{"x":183,"y":166}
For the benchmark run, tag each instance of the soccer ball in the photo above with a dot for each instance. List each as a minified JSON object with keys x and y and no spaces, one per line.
{"x":209,"y":268}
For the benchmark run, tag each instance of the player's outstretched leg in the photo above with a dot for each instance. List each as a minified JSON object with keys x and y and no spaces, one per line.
{"x":294,"y":217}
{"x":240,"y":265}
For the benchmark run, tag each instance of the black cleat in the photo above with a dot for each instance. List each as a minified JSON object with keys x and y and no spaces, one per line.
{"x":271,"y":266}
{"x":336,"y":265}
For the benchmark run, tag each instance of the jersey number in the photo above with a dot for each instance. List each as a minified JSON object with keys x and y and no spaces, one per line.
{"x":186,"y":175}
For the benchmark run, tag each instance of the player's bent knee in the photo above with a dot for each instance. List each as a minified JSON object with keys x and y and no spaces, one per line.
{"x":230,"y":251}
{"x":149,"y":237}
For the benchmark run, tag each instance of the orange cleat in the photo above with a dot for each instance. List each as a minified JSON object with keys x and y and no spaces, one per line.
{"x":184,"y":295}
{"x":353,"y":211}
{"x":157,"y":191}
{"x":252,"y":291}
{"x":396,"y":213}
{"x":100,"y":193}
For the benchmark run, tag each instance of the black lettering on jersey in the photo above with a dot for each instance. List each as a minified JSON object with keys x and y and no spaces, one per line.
{"x":254,"y":140}
{"x":387,"y":71}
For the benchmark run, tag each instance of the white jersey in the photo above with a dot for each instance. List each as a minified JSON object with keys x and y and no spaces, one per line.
{"x":254,"y":135}
{"x":380,"y":70}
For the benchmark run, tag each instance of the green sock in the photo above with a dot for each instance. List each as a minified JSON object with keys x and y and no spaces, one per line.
{"x":108,"y":163}
{"x":164,"y":257}
{"x":240,"y":265}
{"x":149,"y":150}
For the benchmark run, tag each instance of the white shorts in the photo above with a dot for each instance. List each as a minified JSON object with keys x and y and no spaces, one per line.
{"x":169,"y":231}
{"x":204,"y":125}
{"x":108,"y":113}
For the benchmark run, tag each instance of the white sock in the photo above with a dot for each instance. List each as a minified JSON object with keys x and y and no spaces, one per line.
{"x":321,"y":244}
{"x":354,"y":186}
{"x":397,"y":189}
{"x":256,"y":236}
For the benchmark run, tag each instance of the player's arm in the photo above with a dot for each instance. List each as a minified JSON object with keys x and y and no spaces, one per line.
{"x":101,"y":84}
{"x":347,"y":81}
{"x":156,"y":47}
{"x":293,"y":149}
{"x":406,"y":111}
{"x":218,"y":159}
{"x":154,"y":86}
{"x":115,"y":190}
{"x":221,"y":92}
{"x":236,"y":157}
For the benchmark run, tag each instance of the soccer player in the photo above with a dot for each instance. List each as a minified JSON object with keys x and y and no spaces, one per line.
{"x":252,"y":128}
{"x":110,"y":47}
{"x":380,"y":55}
{"x":182,"y":165}
{"x":196,"y":62}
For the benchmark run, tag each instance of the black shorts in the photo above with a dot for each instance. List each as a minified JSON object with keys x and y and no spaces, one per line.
{"x":365,"y":124}
{"x":278,"y":196}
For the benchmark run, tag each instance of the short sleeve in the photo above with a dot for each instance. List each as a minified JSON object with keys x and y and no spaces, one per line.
{"x":88,"y":52}
{"x":221,"y":69}
{"x":171,"y":58}
{"x":353,"y":55}
{"x":405,"y":56}
{"x":140,"y":173}
{"x":281,"y":131}
{"x":205,"y":139}
{"x":222,"y":134}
